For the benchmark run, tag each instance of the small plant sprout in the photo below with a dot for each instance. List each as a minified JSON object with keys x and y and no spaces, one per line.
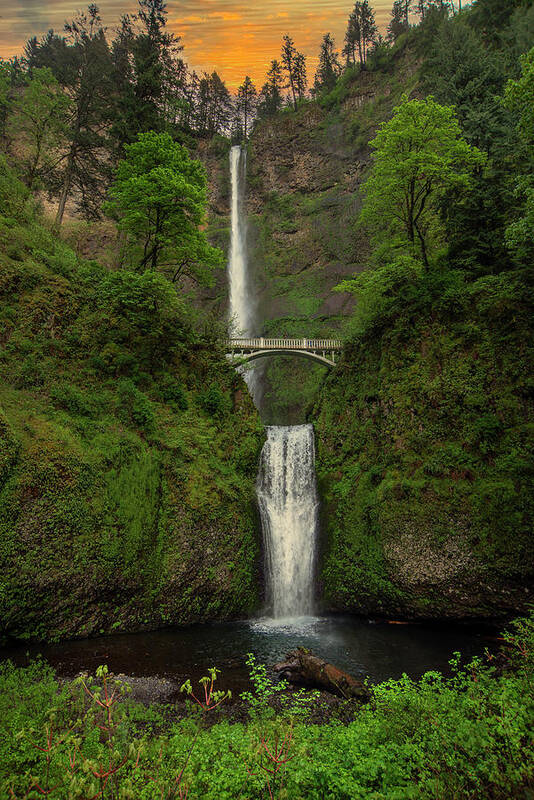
{"x":212,"y":699}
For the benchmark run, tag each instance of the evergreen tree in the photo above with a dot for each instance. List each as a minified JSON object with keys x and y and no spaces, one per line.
{"x":154,"y":50}
{"x":213,"y":105}
{"x":294,"y":64}
{"x":519,"y":98}
{"x":300,"y":77}
{"x":329,"y":68}
{"x":271,"y":97}
{"x":123,"y":123}
{"x":398,"y":23}
{"x":460,"y":71}
{"x":86,"y":76}
{"x":245,"y":106}
{"x":361,"y":32}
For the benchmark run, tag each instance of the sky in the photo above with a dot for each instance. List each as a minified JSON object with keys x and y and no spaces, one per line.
{"x":234,"y":37}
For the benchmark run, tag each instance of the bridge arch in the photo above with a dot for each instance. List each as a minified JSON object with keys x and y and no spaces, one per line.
{"x":322,"y":351}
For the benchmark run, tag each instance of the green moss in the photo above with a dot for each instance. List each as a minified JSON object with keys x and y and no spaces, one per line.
{"x":128,"y":452}
{"x":424,"y":459}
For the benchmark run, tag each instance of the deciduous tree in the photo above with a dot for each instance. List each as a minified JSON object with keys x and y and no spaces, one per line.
{"x":159,"y":197}
{"x":40,"y":120}
{"x":419,"y":155}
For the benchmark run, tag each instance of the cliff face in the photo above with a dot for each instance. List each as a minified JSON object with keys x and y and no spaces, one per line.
{"x":424,"y":463}
{"x":128,"y":453}
{"x":304,"y":173}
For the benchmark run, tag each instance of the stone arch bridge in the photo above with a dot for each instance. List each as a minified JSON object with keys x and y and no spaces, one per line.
{"x":323,"y":351}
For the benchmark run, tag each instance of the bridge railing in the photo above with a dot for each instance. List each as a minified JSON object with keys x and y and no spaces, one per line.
{"x":262,"y":343}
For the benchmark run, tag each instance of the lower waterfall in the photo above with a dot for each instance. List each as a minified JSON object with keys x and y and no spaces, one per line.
{"x":288,"y":502}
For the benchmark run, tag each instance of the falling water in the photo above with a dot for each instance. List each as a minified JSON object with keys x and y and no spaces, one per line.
{"x":243,"y":304}
{"x":286,"y":488}
{"x":287,"y":496}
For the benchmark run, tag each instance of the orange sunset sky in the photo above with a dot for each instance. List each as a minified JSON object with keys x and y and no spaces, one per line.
{"x":234,"y":37}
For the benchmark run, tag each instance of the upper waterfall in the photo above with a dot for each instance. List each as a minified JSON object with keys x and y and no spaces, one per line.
{"x":242,"y":301}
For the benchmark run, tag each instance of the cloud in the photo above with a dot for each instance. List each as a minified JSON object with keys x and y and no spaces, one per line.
{"x":234,"y":37}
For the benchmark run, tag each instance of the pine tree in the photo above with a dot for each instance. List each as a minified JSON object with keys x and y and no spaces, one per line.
{"x":246,"y":102}
{"x":398,"y":23}
{"x":361,"y":32}
{"x":271,"y":97}
{"x":289,"y":54}
{"x":213,"y":105}
{"x":300,"y":77}
{"x":86,"y":76}
{"x":154,"y":51}
{"x":329,"y":68}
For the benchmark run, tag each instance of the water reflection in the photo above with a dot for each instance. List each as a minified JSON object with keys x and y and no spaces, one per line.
{"x":379,"y":651}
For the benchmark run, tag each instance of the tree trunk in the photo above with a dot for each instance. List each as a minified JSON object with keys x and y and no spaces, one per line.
{"x":303,"y":668}
{"x":423,"y":245}
{"x":67,"y":183}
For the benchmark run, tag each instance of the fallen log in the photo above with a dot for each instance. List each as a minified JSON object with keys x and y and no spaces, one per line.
{"x":303,"y":668}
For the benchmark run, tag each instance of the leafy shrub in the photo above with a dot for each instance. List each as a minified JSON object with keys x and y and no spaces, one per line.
{"x":70,"y":398}
{"x":136,"y":404}
{"x":215,"y":402}
{"x":172,"y":392}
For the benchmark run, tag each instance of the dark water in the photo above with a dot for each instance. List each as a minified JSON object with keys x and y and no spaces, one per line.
{"x":379,"y":651}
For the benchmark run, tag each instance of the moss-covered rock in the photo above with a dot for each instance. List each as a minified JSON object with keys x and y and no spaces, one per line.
{"x":128,"y":452}
{"x":425,"y":462}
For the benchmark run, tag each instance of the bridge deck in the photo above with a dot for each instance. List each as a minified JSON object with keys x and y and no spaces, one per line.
{"x":284,"y":344}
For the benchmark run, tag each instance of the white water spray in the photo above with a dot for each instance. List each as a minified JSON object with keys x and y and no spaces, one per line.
{"x":287,"y":496}
{"x":242,"y":298}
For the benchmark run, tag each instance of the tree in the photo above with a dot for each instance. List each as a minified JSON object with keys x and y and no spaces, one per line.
{"x":246,"y":102}
{"x":300,"y":78}
{"x":294,"y":64}
{"x":398,"y":24}
{"x":519,"y":98}
{"x":154,"y":52}
{"x":40,"y":120}
{"x":419,"y":155}
{"x":271,"y":98}
{"x":289,"y":54}
{"x":81,"y":64}
{"x":5,"y":85}
{"x":361,"y":32}
{"x":329,"y":68}
{"x":213,"y":105}
{"x":159,"y":197}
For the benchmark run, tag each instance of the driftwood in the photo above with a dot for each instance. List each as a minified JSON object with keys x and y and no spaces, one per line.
{"x":304,"y":669}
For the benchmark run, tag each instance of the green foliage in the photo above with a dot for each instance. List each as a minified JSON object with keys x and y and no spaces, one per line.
{"x":14,"y":196}
{"x":419,"y":155}
{"x":159,"y":197}
{"x":39,"y":122}
{"x":103,"y":447}
{"x":214,"y":402}
{"x":463,"y":736}
{"x":434,"y":452}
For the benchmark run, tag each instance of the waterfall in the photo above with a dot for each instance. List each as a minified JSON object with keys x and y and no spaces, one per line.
{"x":242,"y":306}
{"x":288,"y":502}
{"x":242,"y":297}
{"x":287,"y":493}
